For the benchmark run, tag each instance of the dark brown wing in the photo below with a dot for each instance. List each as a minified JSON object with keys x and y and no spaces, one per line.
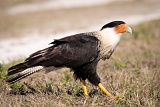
{"x":71,"y":51}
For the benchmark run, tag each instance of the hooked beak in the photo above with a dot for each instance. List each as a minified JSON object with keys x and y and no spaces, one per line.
{"x":129,"y":30}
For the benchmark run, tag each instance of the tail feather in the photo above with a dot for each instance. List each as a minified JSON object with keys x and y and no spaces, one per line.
{"x":17,"y":68}
{"x":27,"y":64}
{"x":25,"y":73}
{"x":32,"y":64}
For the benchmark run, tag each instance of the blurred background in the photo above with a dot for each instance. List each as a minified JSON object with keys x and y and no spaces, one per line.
{"x":29,"y":25}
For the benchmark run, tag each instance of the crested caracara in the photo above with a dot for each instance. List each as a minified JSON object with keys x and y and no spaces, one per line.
{"x":80,"y":52}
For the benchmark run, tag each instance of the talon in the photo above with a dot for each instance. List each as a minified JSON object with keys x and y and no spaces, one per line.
{"x":118,"y":95}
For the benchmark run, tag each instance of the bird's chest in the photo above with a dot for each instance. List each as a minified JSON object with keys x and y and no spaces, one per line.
{"x":106,"y":50}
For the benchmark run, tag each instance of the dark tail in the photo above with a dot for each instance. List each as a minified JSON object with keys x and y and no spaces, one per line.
{"x":31,"y":65}
{"x":17,"y":68}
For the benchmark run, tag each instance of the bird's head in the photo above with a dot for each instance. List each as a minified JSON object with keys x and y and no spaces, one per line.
{"x":118,"y":26}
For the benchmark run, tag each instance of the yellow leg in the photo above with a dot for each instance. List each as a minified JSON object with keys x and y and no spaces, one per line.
{"x":106,"y":92}
{"x":84,"y":88}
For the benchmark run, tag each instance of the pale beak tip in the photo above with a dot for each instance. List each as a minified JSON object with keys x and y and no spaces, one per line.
{"x":129,"y":30}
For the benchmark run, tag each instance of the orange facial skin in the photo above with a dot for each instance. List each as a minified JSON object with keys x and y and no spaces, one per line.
{"x":121,"y":28}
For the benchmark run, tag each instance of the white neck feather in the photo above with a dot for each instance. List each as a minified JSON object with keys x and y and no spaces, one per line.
{"x":110,"y":37}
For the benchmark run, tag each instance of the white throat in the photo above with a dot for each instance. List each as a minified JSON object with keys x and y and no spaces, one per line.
{"x":110,"y":37}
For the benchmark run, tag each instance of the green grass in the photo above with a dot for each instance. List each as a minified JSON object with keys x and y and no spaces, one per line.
{"x":133,"y":71}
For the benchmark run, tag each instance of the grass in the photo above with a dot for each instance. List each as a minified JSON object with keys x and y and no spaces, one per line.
{"x":133,"y":70}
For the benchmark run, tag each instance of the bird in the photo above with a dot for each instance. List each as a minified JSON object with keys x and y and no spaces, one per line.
{"x":80,"y":52}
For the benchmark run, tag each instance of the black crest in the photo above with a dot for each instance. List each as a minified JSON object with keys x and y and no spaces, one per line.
{"x":112,"y":24}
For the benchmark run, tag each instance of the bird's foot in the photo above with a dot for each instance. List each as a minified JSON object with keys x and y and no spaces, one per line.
{"x":118,"y":95}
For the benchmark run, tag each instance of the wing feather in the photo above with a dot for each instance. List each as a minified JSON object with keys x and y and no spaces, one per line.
{"x":71,"y":51}
{"x":75,"y":51}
